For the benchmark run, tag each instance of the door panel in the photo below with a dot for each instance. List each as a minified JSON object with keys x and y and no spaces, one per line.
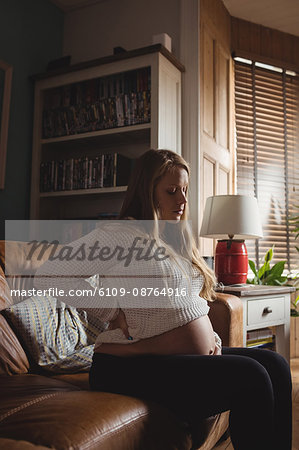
{"x":216,"y":105}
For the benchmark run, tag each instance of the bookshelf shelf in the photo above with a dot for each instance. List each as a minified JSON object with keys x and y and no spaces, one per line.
{"x":129,"y":141}
{"x":120,"y":132}
{"x":97,"y":191}
{"x":117,"y":106}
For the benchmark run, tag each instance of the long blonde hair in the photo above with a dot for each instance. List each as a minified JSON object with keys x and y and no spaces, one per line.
{"x":140,"y":204}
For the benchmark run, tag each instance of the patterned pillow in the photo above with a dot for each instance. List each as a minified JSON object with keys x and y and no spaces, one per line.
{"x":56,"y":337}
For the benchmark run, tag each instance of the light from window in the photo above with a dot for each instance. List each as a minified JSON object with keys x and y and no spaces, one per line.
{"x":268,"y":67}
{"x":266,"y":102}
{"x":243,"y":60}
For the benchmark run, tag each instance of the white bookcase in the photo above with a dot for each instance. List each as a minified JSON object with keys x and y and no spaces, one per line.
{"x":162,"y":131}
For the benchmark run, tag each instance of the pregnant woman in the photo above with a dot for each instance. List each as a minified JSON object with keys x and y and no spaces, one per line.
{"x":163,"y":347}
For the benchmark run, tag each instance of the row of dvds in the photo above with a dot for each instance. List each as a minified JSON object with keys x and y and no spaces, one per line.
{"x":261,"y":338}
{"x":107,"y":170}
{"x":112,"y":112}
{"x":90,"y":91}
{"x":261,"y":333}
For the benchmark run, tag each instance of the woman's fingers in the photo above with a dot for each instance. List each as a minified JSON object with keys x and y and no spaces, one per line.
{"x":120,"y":322}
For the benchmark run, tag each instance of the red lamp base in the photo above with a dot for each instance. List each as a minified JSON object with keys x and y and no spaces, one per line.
{"x":231,"y":262}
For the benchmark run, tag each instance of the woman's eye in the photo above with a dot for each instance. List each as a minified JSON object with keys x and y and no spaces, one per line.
{"x":171,"y":192}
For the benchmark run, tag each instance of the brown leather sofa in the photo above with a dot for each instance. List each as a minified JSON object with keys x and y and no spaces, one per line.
{"x":59,"y":411}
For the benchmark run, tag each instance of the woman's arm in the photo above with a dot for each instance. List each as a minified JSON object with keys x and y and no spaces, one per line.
{"x":69,"y":268}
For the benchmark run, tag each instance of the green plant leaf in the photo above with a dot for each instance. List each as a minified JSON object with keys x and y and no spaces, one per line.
{"x":252,"y":267}
{"x":275,"y":281}
{"x":273,"y":276}
{"x":269,"y":255}
{"x":268,"y":280}
{"x":280,"y":281}
{"x":278,"y":268}
{"x":262,"y":273}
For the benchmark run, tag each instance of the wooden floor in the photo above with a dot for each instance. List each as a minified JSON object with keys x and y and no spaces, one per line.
{"x":227,"y":445}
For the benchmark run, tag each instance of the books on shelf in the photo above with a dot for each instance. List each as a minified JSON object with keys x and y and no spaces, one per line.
{"x":104,"y":170}
{"x":262,"y":338}
{"x":107,"y":102}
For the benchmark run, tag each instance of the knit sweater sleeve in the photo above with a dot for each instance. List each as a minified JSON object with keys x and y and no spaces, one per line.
{"x":71,"y":271}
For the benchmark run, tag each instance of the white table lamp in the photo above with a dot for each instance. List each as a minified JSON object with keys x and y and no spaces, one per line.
{"x":231,"y":219}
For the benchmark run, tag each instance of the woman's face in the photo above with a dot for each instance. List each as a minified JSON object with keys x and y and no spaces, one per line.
{"x":170,"y":194}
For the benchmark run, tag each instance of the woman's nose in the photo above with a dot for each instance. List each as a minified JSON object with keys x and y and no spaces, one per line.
{"x":182,"y":199}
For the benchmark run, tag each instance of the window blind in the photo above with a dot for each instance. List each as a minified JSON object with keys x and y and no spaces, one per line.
{"x":266,"y":104}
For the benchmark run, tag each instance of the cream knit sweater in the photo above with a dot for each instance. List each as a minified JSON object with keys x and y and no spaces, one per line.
{"x":157,"y":294}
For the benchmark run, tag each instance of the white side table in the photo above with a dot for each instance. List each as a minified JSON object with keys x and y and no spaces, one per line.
{"x":265,"y":306}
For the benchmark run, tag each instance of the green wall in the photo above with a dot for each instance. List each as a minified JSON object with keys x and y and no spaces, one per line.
{"x":31,"y":35}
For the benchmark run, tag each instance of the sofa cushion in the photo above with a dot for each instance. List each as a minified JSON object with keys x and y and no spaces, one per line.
{"x":12,"y":444}
{"x":80,"y":380}
{"x":13,"y":359}
{"x":5,"y":297}
{"x":48,"y":412}
{"x":12,"y":356}
{"x":56,"y":337}
{"x":19,"y":391}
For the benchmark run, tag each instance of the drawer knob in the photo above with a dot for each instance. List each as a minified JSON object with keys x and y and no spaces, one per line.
{"x":267,"y":310}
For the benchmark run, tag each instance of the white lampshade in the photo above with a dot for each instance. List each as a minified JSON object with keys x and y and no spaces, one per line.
{"x":231,"y":215}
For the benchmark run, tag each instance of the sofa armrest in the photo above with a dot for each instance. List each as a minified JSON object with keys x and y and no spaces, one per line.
{"x":226,"y":315}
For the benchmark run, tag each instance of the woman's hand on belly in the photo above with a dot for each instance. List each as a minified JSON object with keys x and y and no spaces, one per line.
{"x":120,"y":321}
{"x":196,"y":337}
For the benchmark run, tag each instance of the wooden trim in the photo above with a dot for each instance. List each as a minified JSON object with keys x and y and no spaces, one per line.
{"x":189,"y":54}
{"x":217,"y":19}
{"x":111,"y":59}
{"x":294,"y":337}
{"x":250,"y":290}
{"x":7,"y":68}
{"x":252,"y":41}
{"x":266,"y":60}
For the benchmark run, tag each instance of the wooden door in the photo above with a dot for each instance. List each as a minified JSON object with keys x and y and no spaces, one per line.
{"x":216,"y":107}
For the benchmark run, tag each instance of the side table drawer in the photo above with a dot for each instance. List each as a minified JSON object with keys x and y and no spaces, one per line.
{"x":265,"y":310}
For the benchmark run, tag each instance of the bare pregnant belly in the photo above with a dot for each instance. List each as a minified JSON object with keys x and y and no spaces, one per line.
{"x":196,"y":337}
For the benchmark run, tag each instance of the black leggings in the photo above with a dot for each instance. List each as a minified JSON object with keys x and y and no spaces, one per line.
{"x":254,"y":384}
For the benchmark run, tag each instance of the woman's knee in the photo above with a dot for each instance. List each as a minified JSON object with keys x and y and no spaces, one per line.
{"x":253,"y":377}
{"x":276,"y":365}
{"x":277,"y":360}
